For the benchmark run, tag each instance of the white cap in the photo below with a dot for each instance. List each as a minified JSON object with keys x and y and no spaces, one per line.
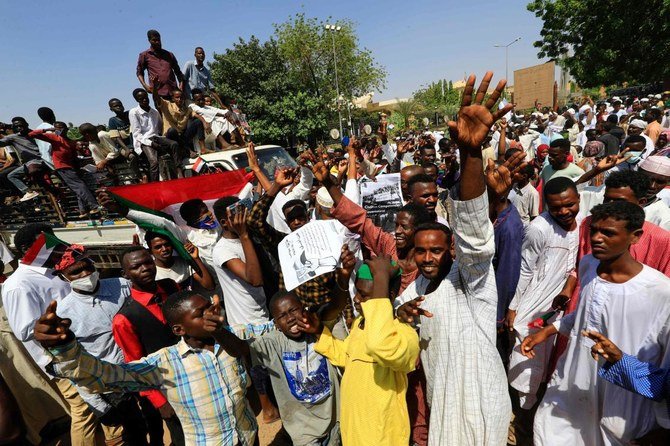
{"x":658,"y":96}
{"x":323,"y":198}
{"x":644,"y":100}
{"x":659,"y":165}
{"x":640,"y":124}
{"x":572,"y":111}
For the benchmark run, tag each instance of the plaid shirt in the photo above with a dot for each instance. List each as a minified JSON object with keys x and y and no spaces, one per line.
{"x":205,"y":389}
{"x":314,"y":293}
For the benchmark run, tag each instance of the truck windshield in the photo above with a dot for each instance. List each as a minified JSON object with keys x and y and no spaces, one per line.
{"x":268,"y":159}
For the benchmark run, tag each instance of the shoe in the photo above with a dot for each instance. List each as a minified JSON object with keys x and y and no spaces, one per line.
{"x":82,"y":216}
{"x":29,"y":196}
{"x":94,"y":213}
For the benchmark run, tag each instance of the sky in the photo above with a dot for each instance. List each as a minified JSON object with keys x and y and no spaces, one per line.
{"x":74,"y":55}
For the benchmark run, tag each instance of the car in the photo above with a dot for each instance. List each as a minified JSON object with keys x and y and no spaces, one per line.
{"x":270,"y":157}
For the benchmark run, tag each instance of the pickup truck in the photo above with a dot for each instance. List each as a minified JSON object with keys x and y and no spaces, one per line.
{"x":108,"y":236}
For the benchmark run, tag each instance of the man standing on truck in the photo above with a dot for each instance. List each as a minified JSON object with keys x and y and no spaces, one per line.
{"x":28,"y":152}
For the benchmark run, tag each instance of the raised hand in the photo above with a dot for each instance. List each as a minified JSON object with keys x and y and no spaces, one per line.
{"x":284,"y":176}
{"x":321,"y":172}
{"x":347,"y":264}
{"x":108,"y":202}
{"x":309,"y":323}
{"x":237,"y":221}
{"x":381,"y":266}
{"x":51,"y":330}
{"x":192,"y":250}
{"x":560,"y":302}
{"x":603,"y":347}
{"x":411,"y":309}
{"x":611,"y":161}
{"x":499,"y":180}
{"x":253,"y":159}
{"x":474,"y":119}
{"x":213,"y":321}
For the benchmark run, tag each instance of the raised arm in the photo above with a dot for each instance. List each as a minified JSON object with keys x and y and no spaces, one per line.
{"x":248,"y":270}
{"x":256,"y":168}
{"x":257,"y":220}
{"x":470,"y":131}
{"x":204,"y":277}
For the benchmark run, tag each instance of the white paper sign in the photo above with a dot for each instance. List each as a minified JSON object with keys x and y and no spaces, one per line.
{"x":310,"y":251}
{"x":381,"y":199}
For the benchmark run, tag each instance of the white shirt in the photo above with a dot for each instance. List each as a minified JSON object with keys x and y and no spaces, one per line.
{"x":548,"y":255}
{"x":144,"y":125}
{"x":26,"y":295}
{"x":526,"y":201}
{"x":105,"y":149}
{"x":658,"y":213}
{"x":245,"y":304}
{"x":466,"y":383}
{"x":300,"y":191}
{"x":5,"y":254}
{"x":664,"y":195}
{"x":529,"y":141}
{"x":180,"y":271}
{"x":44,"y":146}
{"x":582,"y":409}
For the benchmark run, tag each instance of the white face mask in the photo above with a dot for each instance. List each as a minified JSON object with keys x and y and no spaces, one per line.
{"x":86,"y":284}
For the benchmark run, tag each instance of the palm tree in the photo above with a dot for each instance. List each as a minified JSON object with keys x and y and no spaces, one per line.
{"x":407,"y":109}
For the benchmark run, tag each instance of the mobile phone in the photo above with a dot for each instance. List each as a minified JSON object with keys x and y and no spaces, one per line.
{"x":232,"y":209}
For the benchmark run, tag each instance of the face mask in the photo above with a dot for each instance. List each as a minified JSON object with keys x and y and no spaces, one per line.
{"x":86,"y":284}
{"x":635,"y":157}
{"x":207,"y":223}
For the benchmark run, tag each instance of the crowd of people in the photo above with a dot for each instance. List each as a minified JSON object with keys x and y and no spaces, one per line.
{"x":522,"y":298}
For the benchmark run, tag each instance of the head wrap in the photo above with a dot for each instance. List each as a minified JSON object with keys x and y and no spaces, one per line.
{"x":594,"y":149}
{"x":640,"y":124}
{"x":659,"y":165}
{"x":72,"y":255}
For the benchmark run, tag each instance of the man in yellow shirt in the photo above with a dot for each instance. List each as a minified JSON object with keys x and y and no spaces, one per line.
{"x":376,"y":356}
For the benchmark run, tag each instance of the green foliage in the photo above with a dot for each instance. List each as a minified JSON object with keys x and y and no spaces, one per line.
{"x":286,"y":85}
{"x":606,"y":43}
{"x":406,"y":110}
{"x":432,"y":98}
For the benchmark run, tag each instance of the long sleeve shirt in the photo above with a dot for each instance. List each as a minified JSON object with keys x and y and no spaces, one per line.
{"x":144,"y":125}
{"x":376,"y":360}
{"x":638,"y":376}
{"x":508,"y":236}
{"x":163,"y":65}
{"x":205,"y":388}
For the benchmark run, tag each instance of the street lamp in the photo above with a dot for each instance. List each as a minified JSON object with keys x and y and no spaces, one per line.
{"x":506,"y":56}
{"x":333,"y":29}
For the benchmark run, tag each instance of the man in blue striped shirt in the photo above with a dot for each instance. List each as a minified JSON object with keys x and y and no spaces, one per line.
{"x":204,"y":383}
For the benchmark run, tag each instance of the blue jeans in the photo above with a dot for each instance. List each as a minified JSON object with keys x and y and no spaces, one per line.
{"x":14,"y":176}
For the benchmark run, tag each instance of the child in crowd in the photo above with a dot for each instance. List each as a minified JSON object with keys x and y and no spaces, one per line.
{"x":376,"y":356}
{"x":203,"y":383}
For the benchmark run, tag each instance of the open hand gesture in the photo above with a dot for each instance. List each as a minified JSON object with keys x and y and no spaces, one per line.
{"x":499,"y":180}
{"x":108,"y":202}
{"x":347,"y":263}
{"x":474,"y":119}
{"x":52,"y":331}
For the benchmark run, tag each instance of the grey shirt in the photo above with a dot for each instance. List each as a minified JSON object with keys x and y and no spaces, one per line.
{"x":25,"y":147}
{"x":305,"y":384}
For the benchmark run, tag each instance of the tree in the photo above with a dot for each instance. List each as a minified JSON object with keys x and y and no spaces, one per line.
{"x":605,"y":44}
{"x":407,"y":109}
{"x":307,"y":47}
{"x":439,"y":96}
{"x":257,"y":77}
{"x":286,"y":85}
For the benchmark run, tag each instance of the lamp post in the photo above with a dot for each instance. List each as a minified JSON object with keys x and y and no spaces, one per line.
{"x":507,"y":57}
{"x":333,"y":29}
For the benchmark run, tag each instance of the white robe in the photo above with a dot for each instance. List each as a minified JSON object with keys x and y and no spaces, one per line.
{"x":548,"y":255}
{"x":658,"y":213}
{"x":580,"y":408}
{"x":466,"y":385}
